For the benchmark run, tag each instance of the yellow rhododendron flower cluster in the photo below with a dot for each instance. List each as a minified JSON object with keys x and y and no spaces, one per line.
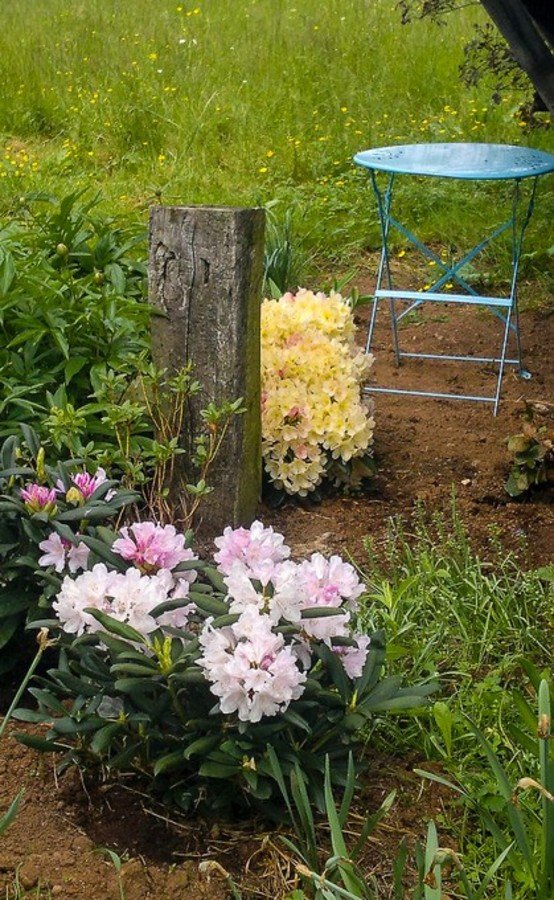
{"x":313,"y":411}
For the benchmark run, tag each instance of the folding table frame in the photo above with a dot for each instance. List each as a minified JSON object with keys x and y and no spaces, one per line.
{"x":505,"y":308}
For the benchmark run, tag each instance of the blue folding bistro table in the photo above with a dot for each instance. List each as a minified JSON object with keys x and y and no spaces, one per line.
{"x":470,"y":162}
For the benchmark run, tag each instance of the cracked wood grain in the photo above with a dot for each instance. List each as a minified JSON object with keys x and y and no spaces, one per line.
{"x":205,"y":280}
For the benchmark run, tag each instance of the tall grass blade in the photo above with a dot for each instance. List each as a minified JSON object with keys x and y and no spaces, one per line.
{"x":302,"y":803}
{"x":10,"y":814}
{"x":491,"y":872}
{"x":433,"y":875}
{"x":349,"y":879}
{"x":547,"y":780}
{"x":515,"y":818}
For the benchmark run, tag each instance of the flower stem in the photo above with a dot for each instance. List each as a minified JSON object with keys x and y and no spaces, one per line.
{"x":42,"y":645}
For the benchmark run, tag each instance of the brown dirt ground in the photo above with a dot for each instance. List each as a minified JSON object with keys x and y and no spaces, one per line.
{"x":426,"y":447}
{"x":423,"y":448}
{"x":56,"y":845}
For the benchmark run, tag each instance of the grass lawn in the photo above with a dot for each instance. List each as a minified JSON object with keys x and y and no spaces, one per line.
{"x":248,"y":102}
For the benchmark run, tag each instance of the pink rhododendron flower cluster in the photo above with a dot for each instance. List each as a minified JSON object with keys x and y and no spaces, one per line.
{"x":254,"y":669}
{"x":286,"y":588}
{"x":329,"y":582}
{"x":253,"y":547}
{"x":38,"y":498}
{"x":151,"y":547}
{"x":250,"y":668}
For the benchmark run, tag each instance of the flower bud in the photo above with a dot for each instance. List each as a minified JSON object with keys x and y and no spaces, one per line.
{"x":74,"y":496}
{"x":98,"y":278}
{"x":544,"y":726}
{"x":41,"y":472}
{"x":62,"y":250}
{"x":38,"y":498}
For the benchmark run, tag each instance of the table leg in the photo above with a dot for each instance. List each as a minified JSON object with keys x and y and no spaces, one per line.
{"x":518,"y":233}
{"x":502,"y":362}
{"x":383,"y":208}
{"x":517,"y":224}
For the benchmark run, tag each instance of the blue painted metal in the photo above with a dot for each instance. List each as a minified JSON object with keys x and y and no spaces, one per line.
{"x":461,"y":161}
{"x":424,"y":296}
{"x":435,"y":394}
{"x":475,"y":359}
{"x":474,"y":162}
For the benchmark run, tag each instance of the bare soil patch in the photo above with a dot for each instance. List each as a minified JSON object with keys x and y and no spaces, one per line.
{"x":426,"y":448}
{"x":56,"y":844}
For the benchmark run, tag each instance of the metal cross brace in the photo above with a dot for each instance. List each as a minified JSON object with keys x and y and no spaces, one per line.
{"x":517,"y":223}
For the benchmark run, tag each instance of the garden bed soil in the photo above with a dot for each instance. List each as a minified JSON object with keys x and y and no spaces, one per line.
{"x":424,"y":449}
{"x":57,"y":844}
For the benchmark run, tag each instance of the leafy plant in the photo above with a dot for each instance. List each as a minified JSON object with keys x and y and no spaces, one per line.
{"x":533,"y":454}
{"x":487,"y":56}
{"x":340,"y":867}
{"x":531,"y":848}
{"x":284,"y":262}
{"x":492,"y":613}
{"x":72,"y":297}
{"x":137,"y":689}
{"x":528,"y":850}
{"x":134,"y":428}
{"x":45,"y":513}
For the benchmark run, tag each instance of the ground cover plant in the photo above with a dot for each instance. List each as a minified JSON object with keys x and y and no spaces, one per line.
{"x":489,"y":647}
{"x":494,"y":614}
{"x":532,"y":452}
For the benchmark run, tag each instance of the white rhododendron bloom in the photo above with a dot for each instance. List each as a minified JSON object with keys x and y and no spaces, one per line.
{"x":76,"y":594}
{"x":128,"y":597}
{"x":281,"y":595}
{"x":353,"y":658}
{"x":61,"y":554}
{"x":250,"y":668}
{"x":255,"y":666}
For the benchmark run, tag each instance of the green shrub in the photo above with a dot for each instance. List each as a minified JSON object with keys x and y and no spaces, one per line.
{"x":42,"y":503}
{"x":72,"y":298}
{"x":194,"y":678}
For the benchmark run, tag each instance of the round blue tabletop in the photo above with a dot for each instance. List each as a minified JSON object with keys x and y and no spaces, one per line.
{"x":469,"y":161}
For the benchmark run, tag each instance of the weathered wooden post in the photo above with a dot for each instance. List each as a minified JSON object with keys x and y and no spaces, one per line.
{"x":205,"y":276}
